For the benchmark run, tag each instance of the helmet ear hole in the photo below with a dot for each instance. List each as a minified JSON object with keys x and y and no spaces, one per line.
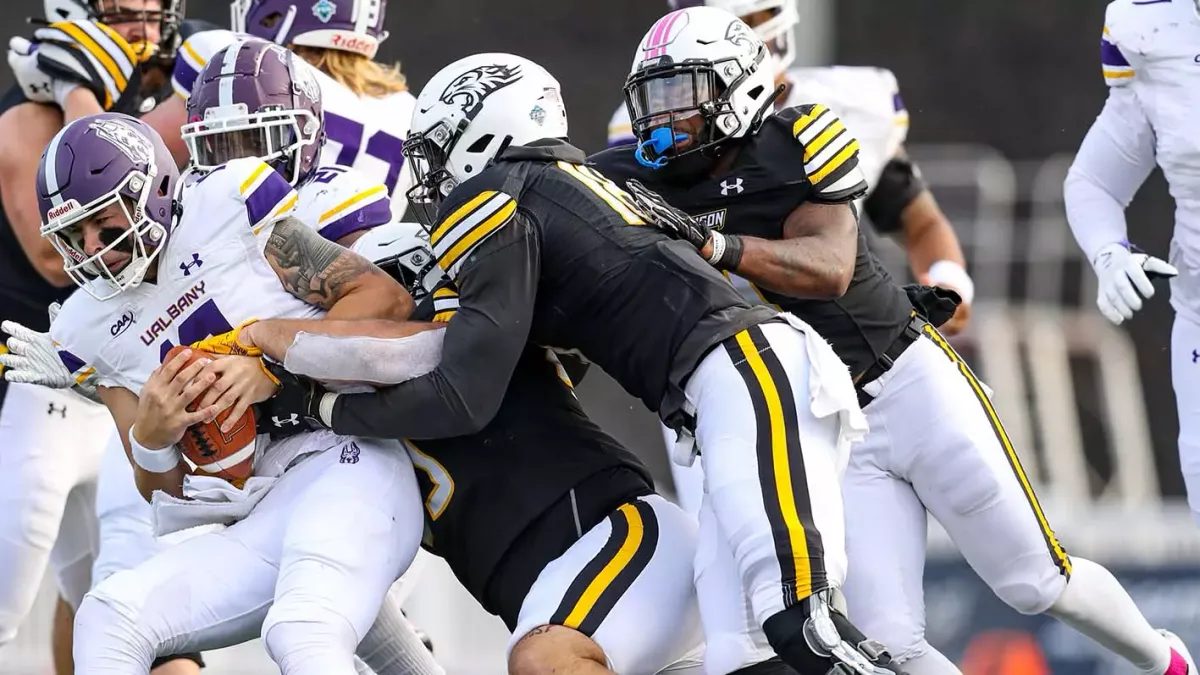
{"x":481,"y":144}
{"x":756,"y":92}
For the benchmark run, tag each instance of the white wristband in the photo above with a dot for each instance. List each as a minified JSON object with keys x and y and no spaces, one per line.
{"x":718,"y":248}
{"x":154,"y":461}
{"x":325,"y":408}
{"x":62,"y":89}
{"x":950,"y":273}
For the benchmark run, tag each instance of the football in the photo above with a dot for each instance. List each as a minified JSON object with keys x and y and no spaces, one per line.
{"x":212,"y":452}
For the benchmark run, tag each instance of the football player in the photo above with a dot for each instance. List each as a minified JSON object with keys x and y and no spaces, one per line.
{"x":545,"y":251}
{"x":1144,"y":124}
{"x":367,"y":104}
{"x":56,"y":437}
{"x":700,"y":92}
{"x":899,"y":204}
{"x":224,"y":250}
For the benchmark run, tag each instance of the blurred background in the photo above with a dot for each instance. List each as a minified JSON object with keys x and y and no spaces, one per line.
{"x":1000,"y":93}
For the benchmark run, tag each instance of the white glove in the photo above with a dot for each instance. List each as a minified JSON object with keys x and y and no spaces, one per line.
{"x":36,"y":85}
{"x":1125,"y":279}
{"x":32,"y":358}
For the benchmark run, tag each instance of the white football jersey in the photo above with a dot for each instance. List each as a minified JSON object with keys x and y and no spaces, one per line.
{"x":338,"y":201}
{"x":212,"y":275}
{"x":1149,"y":54}
{"x":866,"y":99}
{"x":361,"y":132}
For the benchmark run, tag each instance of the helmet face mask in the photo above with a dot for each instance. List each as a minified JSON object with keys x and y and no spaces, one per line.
{"x":427,"y":155}
{"x":256,"y":99}
{"x":92,"y":165}
{"x":701,"y":79}
{"x":168,"y":17}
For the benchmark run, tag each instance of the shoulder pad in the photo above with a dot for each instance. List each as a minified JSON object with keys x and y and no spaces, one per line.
{"x":338,"y":200}
{"x":830,"y":153}
{"x":473,"y":212}
{"x":265,"y":195}
{"x":194,"y":54}
{"x":190,"y":27}
{"x":620,"y":128}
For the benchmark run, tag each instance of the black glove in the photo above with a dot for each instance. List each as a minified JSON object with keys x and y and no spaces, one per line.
{"x":935,"y":303}
{"x":668,"y":218}
{"x":295,"y":407}
{"x":726,"y":248}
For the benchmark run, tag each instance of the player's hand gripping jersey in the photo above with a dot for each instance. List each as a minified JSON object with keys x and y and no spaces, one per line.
{"x":212,"y":276}
{"x":361,"y":132}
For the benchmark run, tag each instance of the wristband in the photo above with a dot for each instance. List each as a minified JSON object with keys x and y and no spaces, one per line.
{"x":727,"y":251}
{"x":325,"y":409}
{"x":61,"y":89}
{"x":950,"y":273}
{"x":155,"y":461}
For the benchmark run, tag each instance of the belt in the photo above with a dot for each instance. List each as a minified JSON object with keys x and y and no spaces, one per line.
{"x":912,"y":333}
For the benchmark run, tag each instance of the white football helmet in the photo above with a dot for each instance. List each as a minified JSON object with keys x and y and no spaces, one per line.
{"x":470,"y":111}
{"x":775,"y":22}
{"x":697,"y":61}
{"x":403,"y":251}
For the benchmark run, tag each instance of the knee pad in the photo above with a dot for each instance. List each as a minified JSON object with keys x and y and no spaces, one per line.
{"x":300,"y":647}
{"x":1028,"y":592}
{"x":105,"y":636}
{"x":812,"y":638}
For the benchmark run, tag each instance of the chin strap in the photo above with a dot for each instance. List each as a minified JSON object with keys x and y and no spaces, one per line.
{"x":660,"y":140}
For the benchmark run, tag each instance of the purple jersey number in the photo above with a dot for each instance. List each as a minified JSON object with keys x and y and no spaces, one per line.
{"x":206,"y":321}
{"x":381,"y":145}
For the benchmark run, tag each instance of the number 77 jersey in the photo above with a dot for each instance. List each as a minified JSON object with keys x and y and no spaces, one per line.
{"x":211,"y":276}
{"x":363,"y":132}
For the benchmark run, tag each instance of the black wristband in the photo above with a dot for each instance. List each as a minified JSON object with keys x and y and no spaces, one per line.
{"x":731,"y":257}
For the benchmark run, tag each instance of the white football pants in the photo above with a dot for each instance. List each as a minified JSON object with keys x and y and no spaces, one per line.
{"x":937,"y":444}
{"x":626,"y":584}
{"x":307,"y":569}
{"x":50,"y":447}
{"x":1185,"y":378}
{"x":771,"y":525}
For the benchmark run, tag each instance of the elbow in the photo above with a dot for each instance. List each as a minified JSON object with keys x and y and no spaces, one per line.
{"x":478,"y":417}
{"x":836,"y":282}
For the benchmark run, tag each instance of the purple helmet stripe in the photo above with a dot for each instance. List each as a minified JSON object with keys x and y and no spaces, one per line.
{"x":377,"y":212}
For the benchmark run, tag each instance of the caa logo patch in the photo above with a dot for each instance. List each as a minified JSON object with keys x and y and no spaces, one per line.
{"x":122,"y":324}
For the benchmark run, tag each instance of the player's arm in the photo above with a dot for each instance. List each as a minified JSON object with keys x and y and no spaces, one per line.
{"x":813,"y":259}
{"x":902,"y":206}
{"x":167,"y":119}
{"x":1115,"y":158}
{"x":480,"y":347}
{"x":25,"y":130}
{"x":152,"y":423}
{"x":333,"y":278}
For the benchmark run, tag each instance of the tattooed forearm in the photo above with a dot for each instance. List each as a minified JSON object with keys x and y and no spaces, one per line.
{"x":311,"y":267}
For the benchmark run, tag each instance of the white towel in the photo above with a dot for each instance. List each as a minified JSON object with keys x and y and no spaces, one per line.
{"x":208,"y":500}
{"x":364,"y":360}
{"x":831,"y":390}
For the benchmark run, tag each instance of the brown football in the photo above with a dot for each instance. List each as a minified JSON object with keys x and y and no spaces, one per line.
{"x":212,"y":452}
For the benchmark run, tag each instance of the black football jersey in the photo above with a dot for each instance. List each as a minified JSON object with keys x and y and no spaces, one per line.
{"x":482,"y":490}
{"x":800,"y":154}
{"x":545,"y":251}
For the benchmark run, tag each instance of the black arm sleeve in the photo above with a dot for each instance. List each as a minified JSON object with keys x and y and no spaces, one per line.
{"x":898,"y":186}
{"x":480,"y":350}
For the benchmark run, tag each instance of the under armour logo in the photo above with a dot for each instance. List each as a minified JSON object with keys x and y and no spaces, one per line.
{"x":350,"y":453}
{"x":43,"y":88}
{"x":736,"y":187}
{"x":187,"y":267}
{"x":62,"y":412}
{"x":292,"y":419}
{"x":1195,"y":356}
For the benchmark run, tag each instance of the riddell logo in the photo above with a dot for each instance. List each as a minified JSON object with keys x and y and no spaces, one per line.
{"x":60,"y":211}
{"x":352,"y":44}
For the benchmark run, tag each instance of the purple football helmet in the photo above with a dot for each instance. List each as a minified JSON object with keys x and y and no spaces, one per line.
{"x":256,"y":99}
{"x":348,"y":25}
{"x":95,"y":162}
{"x":684,"y":4}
